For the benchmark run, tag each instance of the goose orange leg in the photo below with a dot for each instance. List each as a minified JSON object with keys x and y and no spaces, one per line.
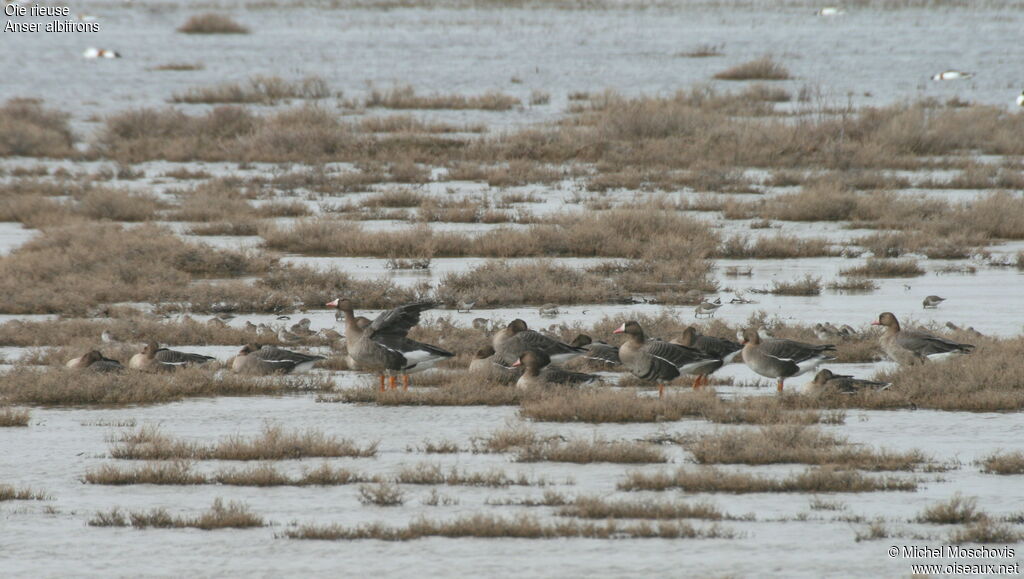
{"x":382,"y":383}
{"x":394,"y":382}
{"x":779,"y":385}
{"x":696,"y":382}
{"x":661,"y":390}
{"x":405,"y":382}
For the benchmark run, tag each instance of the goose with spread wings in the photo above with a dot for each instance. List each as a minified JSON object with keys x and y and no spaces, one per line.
{"x":384,"y":345}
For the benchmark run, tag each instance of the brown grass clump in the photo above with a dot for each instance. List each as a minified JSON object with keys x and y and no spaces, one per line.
{"x":499,"y":283}
{"x":211,"y":23}
{"x":986,"y":531}
{"x":764,"y":68}
{"x":433,"y":474}
{"x":1003,"y":463}
{"x":29,"y":130}
{"x":160,"y":473}
{"x":382,"y":494}
{"x":989,"y":379}
{"x":796,"y":443}
{"x":405,"y":97}
{"x":13,"y":416}
{"x":146,"y":263}
{"x":180,"y":473}
{"x":520,"y":527}
{"x":852,"y":285}
{"x":10,"y":493}
{"x":61,"y":387}
{"x":467,"y":391}
{"x":599,"y":508}
{"x":599,"y":406}
{"x":258,"y":89}
{"x":585,"y":452}
{"x":713,"y":480}
{"x":273,"y":443}
{"x":875,"y":267}
{"x":233,"y":516}
{"x":958,"y":510}
{"x":775,"y":247}
{"x":808,"y":286}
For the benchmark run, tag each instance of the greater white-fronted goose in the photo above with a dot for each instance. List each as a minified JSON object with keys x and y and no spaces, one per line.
{"x":909,"y":346}
{"x":659,"y":361}
{"x":485,"y":365}
{"x":781,"y":359}
{"x":515,"y":339}
{"x":301,"y":329}
{"x":932,"y":302}
{"x":538,"y":371}
{"x":605,"y":354}
{"x":711,"y":347}
{"x":252,"y":359}
{"x":383,"y":345}
{"x":826,"y":382}
{"x":95,"y":361}
{"x":154,"y":358}
{"x":826,"y":332}
{"x":707,"y":309}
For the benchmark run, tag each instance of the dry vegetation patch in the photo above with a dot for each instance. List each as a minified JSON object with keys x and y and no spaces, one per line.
{"x":764,"y":68}
{"x":62,"y":387}
{"x":496,"y":527}
{"x":11,"y":493}
{"x":273,"y":443}
{"x":958,"y":510}
{"x":713,"y":480}
{"x":875,"y":267}
{"x":27,"y":129}
{"x":800,"y":444}
{"x":180,"y":472}
{"x":986,"y":531}
{"x":212,"y":23}
{"x":464,"y":391}
{"x":13,"y":416}
{"x":600,"y":508}
{"x":586,"y":451}
{"x":258,"y":89}
{"x":1003,"y":463}
{"x":405,"y":97}
{"x":434,"y":474}
{"x":234,"y":515}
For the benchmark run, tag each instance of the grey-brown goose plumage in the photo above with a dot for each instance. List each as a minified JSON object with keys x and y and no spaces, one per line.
{"x":154,"y":358}
{"x":659,"y":361}
{"x":94,"y":360}
{"x":780,"y":359}
{"x":600,"y":352}
{"x":384,"y":346}
{"x":538,"y":371}
{"x":825,"y":382}
{"x":254,"y":359}
{"x":516,"y":338}
{"x":486,"y":366}
{"x":710,"y":346}
{"x":909,"y":346}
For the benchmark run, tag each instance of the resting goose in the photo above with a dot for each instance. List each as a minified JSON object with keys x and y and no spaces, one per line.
{"x":711,"y":347}
{"x":659,"y":361}
{"x":383,"y":345}
{"x":781,"y":359}
{"x":825,"y":381}
{"x":517,"y":338}
{"x":606,"y":354}
{"x":909,"y":346}
{"x":153,"y":357}
{"x":92,"y":52}
{"x":538,"y":371}
{"x":952,"y":75}
{"x":95,"y":361}
{"x":932,"y":302}
{"x":252,"y":359}
{"x":485,"y":365}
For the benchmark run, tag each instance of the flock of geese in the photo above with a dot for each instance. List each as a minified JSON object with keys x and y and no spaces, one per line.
{"x":517,"y":354}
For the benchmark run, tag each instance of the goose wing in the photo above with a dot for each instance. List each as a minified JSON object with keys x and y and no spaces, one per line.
{"x":927,"y":344}
{"x":398,"y":321}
